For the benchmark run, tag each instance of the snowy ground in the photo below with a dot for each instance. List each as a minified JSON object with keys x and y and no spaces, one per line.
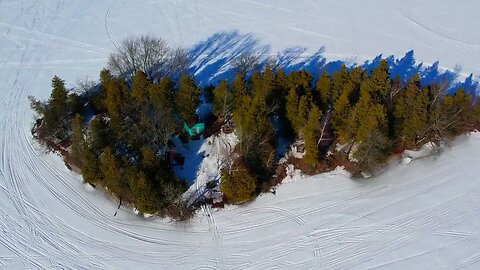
{"x":423,"y":215}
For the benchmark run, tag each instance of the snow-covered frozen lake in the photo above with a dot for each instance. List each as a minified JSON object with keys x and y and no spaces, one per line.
{"x":423,"y":215}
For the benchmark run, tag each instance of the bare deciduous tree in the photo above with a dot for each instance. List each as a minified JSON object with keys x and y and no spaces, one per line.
{"x":227,"y":156}
{"x":179,"y":61}
{"x":145,"y":53}
{"x":246,"y":61}
{"x":85,"y":85}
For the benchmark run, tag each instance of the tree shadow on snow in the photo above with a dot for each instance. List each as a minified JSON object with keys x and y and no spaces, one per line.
{"x":211,"y":61}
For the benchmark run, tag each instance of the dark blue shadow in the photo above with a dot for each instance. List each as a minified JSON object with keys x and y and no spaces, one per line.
{"x":211,"y":62}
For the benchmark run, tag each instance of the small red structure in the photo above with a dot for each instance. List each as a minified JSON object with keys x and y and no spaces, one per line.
{"x":174,"y":159}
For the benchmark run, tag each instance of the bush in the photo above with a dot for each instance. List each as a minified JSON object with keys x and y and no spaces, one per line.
{"x":373,"y":152}
{"x":179,"y":211}
{"x":238,"y":186}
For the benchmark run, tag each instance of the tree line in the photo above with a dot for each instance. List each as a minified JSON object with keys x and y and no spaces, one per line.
{"x":119,"y":130}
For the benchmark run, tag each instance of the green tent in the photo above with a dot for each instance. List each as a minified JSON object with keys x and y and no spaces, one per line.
{"x":197,"y":129}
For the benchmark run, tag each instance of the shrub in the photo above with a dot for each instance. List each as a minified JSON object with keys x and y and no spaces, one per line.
{"x":238,"y":186}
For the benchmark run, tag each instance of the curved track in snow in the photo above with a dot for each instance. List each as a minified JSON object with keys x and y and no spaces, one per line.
{"x":420,"y":216}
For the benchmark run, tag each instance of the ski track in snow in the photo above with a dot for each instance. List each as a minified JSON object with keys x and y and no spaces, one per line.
{"x":423,"y":215}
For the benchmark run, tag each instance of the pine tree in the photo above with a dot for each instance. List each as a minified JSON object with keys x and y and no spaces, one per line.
{"x":117,"y":105}
{"x":367,"y":116}
{"x":110,"y":168}
{"x":140,"y":87}
{"x":372,"y":151}
{"x":162,"y":95}
{"x":237,"y":186}
{"x":58,"y":97}
{"x":356,"y":78}
{"x":411,"y":112}
{"x":342,"y":116}
{"x":380,"y":82}
{"x":145,"y":200}
{"x":262,"y":86}
{"x":150,"y":162}
{"x":97,"y":135}
{"x":239,"y":90}
{"x":417,"y":118}
{"x":75,"y":105}
{"x":251,"y":120}
{"x":106,"y":77}
{"x":222,"y":101}
{"x":78,"y":142}
{"x":56,"y":119}
{"x":90,"y":167}
{"x":453,"y":115}
{"x":281,"y":82}
{"x":292,"y":109}
{"x":187,"y":98}
{"x":338,"y":80}
{"x":324,"y":91}
{"x":300,"y":81}
{"x":311,"y":135}
{"x":304,"y":107}
{"x":268,"y":78}
{"x":98,"y":97}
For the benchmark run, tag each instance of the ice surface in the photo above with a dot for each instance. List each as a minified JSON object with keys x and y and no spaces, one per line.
{"x":423,"y":215}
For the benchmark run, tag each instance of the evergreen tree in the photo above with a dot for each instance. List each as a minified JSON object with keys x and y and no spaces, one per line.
{"x":58,"y":98}
{"x":106,"y":78}
{"x":304,"y":107}
{"x":140,"y":87}
{"x":338,"y":80}
{"x":75,"y":105}
{"x":163,"y":122}
{"x":98,"y":134}
{"x":311,"y":136}
{"x":145,"y":199}
{"x":367,"y":116}
{"x":452,"y":116}
{"x":292,"y":109}
{"x":417,"y":118}
{"x":380,"y":82}
{"x":150,"y":161}
{"x":281,"y":82}
{"x":251,"y":120}
{"x":117,"y":103}
{"x":98,"y":96}
{"x":300,"y":81}
{"x":109,"y":165}
{"x":265,"y":87}
{"x":90,"y":167}
{"x":222,"y":101}
{"x":324,"y":91}
{"x":356,"y":78}
{"x":372,"y":151}
{"x":411,"y":112}
{"x":78,"y":142}
{"x":342,"y":116}
{"x":55,"y":118}
{"x":187,"y":98}
{"x":239,"y":90}
{"x":238,"y":186}
{"x":162,"y":95}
